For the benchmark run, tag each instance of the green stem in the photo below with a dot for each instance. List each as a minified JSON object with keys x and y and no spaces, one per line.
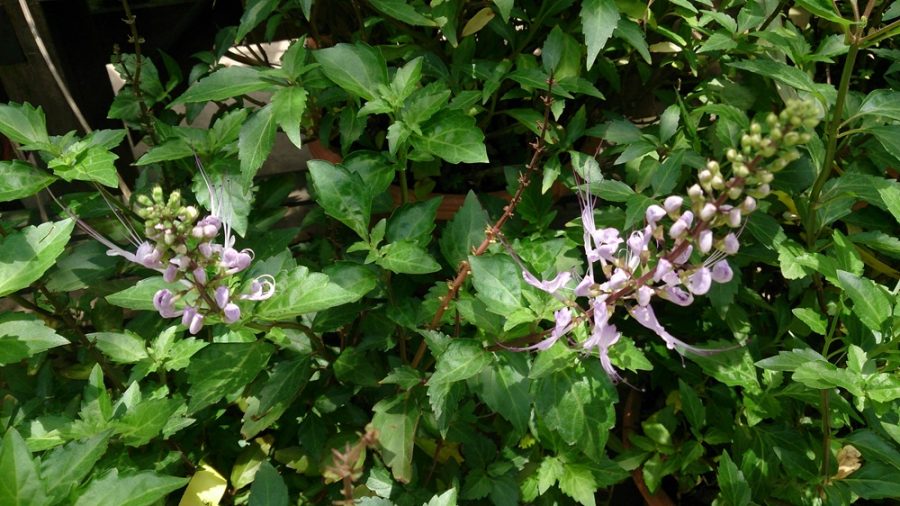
{"x":832,"y":136}
{"x":404,"y":189}
{"x":877,"y":35}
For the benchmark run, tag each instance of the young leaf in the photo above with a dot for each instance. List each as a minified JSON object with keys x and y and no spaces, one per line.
{"x":24,"y":335}
{"x":221,"y":368}
{"x":173,"y":149}
{"x":19,"y":180}
{"x":21,"y":483}
{"x":405,"y":257}
{"x":140,"y":296}
{"x":27,"y":254}
{"x":505,"y":387}
{"x":288,"y":105}
{"x":578,"y":482}
{"x":146,"y":420}
{"x":413,"y":222}
{"x":23,"y":123}
{"x":123,"y":348}
{"x":598,"y":20}
{"x":255,"y":12}
{"x":96,"y":163}
{"x":464,"y":232}
{"x":401,"y":10}
{"x":287,"y":380}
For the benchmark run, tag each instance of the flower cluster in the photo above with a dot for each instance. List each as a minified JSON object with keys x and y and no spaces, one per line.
{"x":682,"y":247}
{"x":184,"y":250}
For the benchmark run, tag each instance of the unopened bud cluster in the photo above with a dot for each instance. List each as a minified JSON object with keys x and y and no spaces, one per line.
{"x":659,"y":259}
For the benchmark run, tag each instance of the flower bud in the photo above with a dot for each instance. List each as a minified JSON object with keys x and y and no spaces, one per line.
{"x":705,"y":241}
{"x":196,"y":323}
{"x":717,"y":182}
{"x":721,"y":272}
{"x":708,"y":211}
{"x":171,"y":273}
{"x":673,"y":204}
{"x":681,"y":225}
{"x":713,"y":166}
{"x":731,"y":154}
{"x":232,"y":312}
{"x":144,"y":200}
{"x":157,"y":194}
{"x":734,"y":218}
{"x":200,"y":275}
{"x":755,"y":128}
{"x":223,"y":295}
{"x":765,"y":176}
{"x":684,"y":256}
{"x":735,"y":192}
{"x":695,"y":192}
{"x":704,"y":176}
{"x":749,"y":205}
{"x":654,"y":214}
{"x":740,"y":170}
{"x":730,"y":244}
{"x":771,"y":119}
{"x":700,"y":281}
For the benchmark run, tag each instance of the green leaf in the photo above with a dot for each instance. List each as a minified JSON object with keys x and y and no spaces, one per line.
{"x":883,"y":387}
{"x":144,"y":488}
{"x":848,"y":258}
{"x":612,"y":190}
{"x":462,"y":359}
{"x":505,"y":8}
{"x":123,"y":348}
{"x":881,"y":102}
{"x":505,"y":387}
{"x":234,"y":195}
{"x":407,"y":257}
{"x":21,"y":483}
{"x":792,"y":76}
{"x":578,"y":482}
{"x":173,"y":149}
{"x":302,"y":292}
{"x":357,"y":279}
{"x":30,"y":335}
{"x":288,"y":105}
{"x":497,"y":280}
{"x":789,"y":360}
{"x":464,"y":232}
{"x":413,"y":222}
{"x":823,"y":9}
{"x":598,"y":20}
{"x":734,"y":490}
{"x":823,"y":375}
{"x":549,"y":473}
{"x":224,"y":83}
{"x":718,"y":41}
{"x":256,"y":140}
{"x":82,"y":266}
{"x":96,"y":163}
{"x":402,"y":11}
{"x":870,"y":302}
{"x":396,"y":419}
{"x":19,"y":180}
{"x":255,"y":12}
{"x":146,"y":420}
{"x":268,"y":488}
{"x":140,"y":296}
{"x":27,"y":254}
{"x":221,"y":369}
{"x":65,"y":467}
{"x":630,"y":32}
{"x":692,"y":407}
{"x":343,"y":195}
{"x":287,"y":380}
{"x":447,"y":498}
{"x":813,"y":319}
{"x":23,"y":123}
{"x":453,"y":136}
{"x":359,"y":69}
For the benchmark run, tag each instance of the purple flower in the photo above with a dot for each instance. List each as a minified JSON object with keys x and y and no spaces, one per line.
{"x":654,"y":214}
{"x":708,"y":212}
{"x":223,"y":295}
{"x":200,"y":275}
{"x":681,"y":225}
{"x":603,"y":336}
{"x":731,"y":244}
{"x":705,"y":241}
{"x":552,"y":286}
{"x":232,"y":312}
{"x":700,"y":281}
{"x":164,"y":302}
{"x":192,"y":319}
{"x":721,"y":272}
{"x":673,"y":204}
{"x":235,"y":261}
{"x":646,"y":317}
{"x":676,"y":295}
{"x":171,"y":273}
{"x":261,"y":288}
{"x":684,"y":255}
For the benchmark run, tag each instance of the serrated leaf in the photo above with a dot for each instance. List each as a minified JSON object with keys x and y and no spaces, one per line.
{"x":405,"y":257}
{"x":121,"y":347}
{"x":146,"y":420}
{"x":288,"y":105}
{"x":27,"y":254}
{"x":359,"y":69}
{"x":287,"y":380}
{"x":578,"y":482}
{"x":301,"y":292}
{"x":222,"y":368}
{"x":173,"y":149}
{"x":505,"y":387}
{"x":343,"y":195}
{"x":144,"y":488}
{"x":96,"y":164}
{"x":65,"y":467}
{"x":870,"y":303}
{"x":268,"y":488}
{"x":21,"y":483}
{"x":28,"y":334}
{"x":402,"y":11}
{"x":224,"y":83}
{"x":255,"y":12}
{"x":19,"y":180}
{"x":453,"y":136}
{"x":497,"y":280}
{"x":598,"y":20}
{"x":396,"y":419}
{"x":464,"y":232}
{"x":255,"y":141}
{"x":734,"y":489}
{"x":23,"y":123}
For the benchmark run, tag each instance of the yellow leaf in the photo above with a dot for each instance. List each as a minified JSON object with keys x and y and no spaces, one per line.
{"x":478,"y":21}
{"x":848,"y":462}
{"x":206,"y":488}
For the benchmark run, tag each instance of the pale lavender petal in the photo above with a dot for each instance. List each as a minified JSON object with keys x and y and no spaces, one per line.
{"x":551,"y":286}
{"x":721,"y":272}
{"x":700,"y":281}
{"x":171,"y":273}
{"x":261,"y":288}
{"x":646,"y":317}
{"x":681,"y":225}
{"x":654,"y":213}
{"x":673,"y":203}
{"x":189,"y":313}
{"x":708,"y":212}
{"x":205,"y":249}
{"x":644,"y":294}
{"x":200,"y":275}
{"x":232,"y":312}
{"x":563,"y":319}
{"x":196,"y":323}
{"x":705,"y":241}
{"x":222,"y":295}
{"x":734,"y":218}
{"x":584,"y":287}
{"x":676,"y":295}
{"x":663,"y":267}
{"x":684,"y":256}
{"x":616,"y":281}
{"x":731,"y":244}
{"x":638,"y":242}
{"x":148,"y":256}
{"x":749,"y":205}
